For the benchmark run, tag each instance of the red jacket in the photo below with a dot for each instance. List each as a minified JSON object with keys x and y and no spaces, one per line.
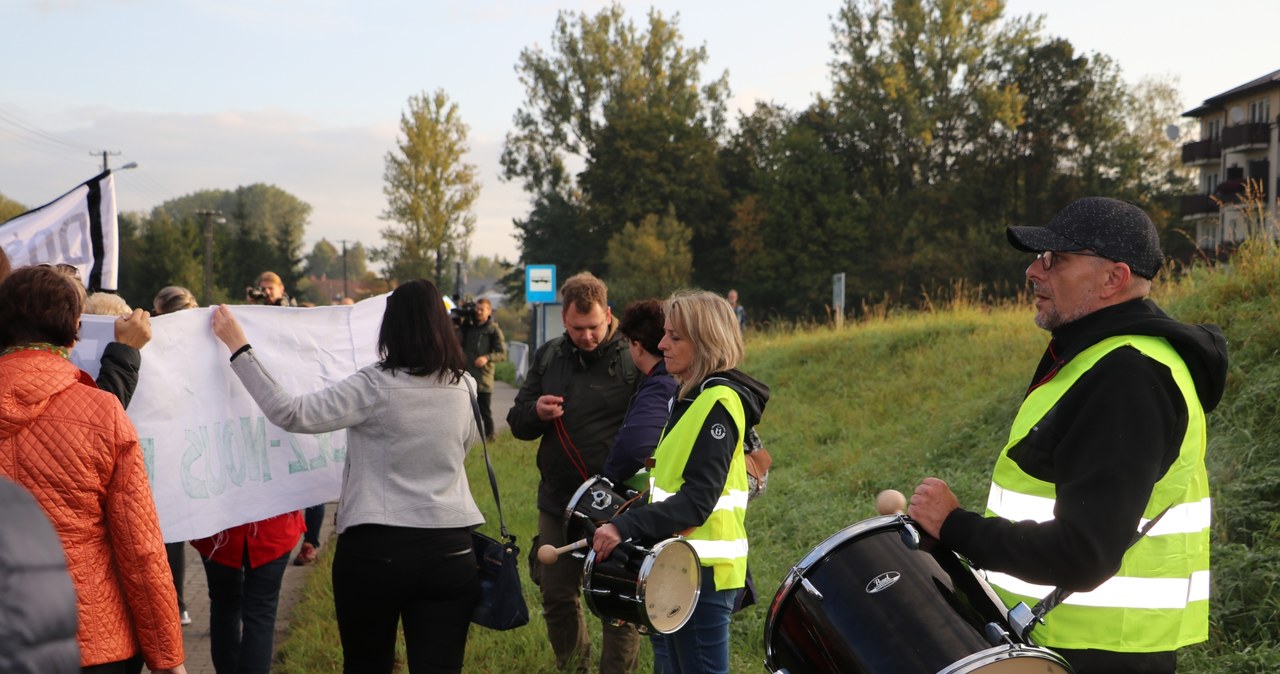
{"x":74,"y":449}
{"x":267,"y":540}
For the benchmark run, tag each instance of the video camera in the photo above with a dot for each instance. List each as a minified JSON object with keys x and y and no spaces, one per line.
{"x":464,"y":315}
{"x":257,"y":294}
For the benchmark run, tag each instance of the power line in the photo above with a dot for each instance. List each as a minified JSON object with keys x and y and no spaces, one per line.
{"x":13,"y":120}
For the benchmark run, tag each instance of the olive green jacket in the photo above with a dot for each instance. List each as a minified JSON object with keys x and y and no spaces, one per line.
{"x":483,"y":340}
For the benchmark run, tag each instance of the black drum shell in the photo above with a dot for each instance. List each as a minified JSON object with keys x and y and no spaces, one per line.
{"x":893,"y":599}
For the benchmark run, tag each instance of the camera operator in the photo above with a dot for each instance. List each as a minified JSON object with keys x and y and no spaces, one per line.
{"x":483,"y":344}
{"x":269,"y":290}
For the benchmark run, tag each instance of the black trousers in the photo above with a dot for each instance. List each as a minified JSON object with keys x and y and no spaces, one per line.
{"x":424,"y":577}
{"x":485,"y":401}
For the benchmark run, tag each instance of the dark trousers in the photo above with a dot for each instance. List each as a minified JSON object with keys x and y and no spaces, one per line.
{"x":131,"y":666}
{"x":484,"y":400}
{"x":177,"y":554}
{"x":314,"y":519}
{"x":424,"y":577}
{"x":242,"y":614}
{"x":1088,"y":661}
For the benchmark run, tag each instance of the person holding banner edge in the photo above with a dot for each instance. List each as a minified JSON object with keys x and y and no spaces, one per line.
{"x":404,"y":550}
{"x":73,"y":447}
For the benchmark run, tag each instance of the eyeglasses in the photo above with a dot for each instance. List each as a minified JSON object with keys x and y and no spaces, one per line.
{"x":1046,"y":256}
{"x":64,"y":268}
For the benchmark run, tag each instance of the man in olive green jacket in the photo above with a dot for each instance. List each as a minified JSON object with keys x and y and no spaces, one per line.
{"x":483,"y":345}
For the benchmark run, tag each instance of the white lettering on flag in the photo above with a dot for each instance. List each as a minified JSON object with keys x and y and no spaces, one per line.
{"x":63,"y":231}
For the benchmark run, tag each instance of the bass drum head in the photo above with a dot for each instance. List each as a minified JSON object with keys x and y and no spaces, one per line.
{"x":670,"y":582}
{"x":1012,"y":660}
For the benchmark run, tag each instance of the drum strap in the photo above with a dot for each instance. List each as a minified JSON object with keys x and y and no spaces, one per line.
{"x":1059,"y":595}
{"x":570,"y":449}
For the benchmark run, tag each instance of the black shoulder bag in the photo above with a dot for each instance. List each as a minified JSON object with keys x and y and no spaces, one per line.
{"x":501,"y":604}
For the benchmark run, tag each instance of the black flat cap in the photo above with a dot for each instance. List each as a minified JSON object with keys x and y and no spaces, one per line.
{"x":1114,"y":229}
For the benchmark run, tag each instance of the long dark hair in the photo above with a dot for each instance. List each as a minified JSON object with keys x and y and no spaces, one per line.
{"x":417,"y":335}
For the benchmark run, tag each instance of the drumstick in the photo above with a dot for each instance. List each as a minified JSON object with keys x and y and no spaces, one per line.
{"x":548,"y":554}
{"x":891,"y":502}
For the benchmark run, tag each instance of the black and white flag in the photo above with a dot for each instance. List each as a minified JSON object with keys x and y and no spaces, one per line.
{"x":78,"y":228}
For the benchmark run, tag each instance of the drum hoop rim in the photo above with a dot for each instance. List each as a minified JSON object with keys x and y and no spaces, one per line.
{"x":646,"y":568}
{"x":1005,"y":652}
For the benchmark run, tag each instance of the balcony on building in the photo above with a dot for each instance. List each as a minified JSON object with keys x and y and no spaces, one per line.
{"x":1198,"y":205}
{"x":1201,"y":152}
{"x":1257,"y":134}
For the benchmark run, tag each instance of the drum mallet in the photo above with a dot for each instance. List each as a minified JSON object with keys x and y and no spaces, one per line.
{"x":548,"y":554}
{"x":891,"y":502}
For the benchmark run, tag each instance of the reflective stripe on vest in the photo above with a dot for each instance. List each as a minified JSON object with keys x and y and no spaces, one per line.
{"x":1159,"y":598}
{"x":721,"y":541}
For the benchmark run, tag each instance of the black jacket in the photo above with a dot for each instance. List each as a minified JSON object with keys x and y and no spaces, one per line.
{"x":119,"y":373}
{"x":596,"y":386}
{"x":706,"y":470}
{"x":1104,"y":446}
{"x":37,"y":598}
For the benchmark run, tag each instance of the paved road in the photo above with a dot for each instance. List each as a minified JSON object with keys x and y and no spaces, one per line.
{"x":196,"y":635}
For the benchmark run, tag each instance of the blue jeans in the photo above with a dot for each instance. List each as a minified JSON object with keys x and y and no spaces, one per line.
{"x":242,"y":614}
{"x":702,"y":645}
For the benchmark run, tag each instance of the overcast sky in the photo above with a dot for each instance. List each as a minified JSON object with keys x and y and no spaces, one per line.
{"x":307,"y":95}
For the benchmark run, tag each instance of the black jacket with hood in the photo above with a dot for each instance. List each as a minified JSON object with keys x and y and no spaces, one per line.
{"x":706,"y":470}
{"x":1104,"y":446}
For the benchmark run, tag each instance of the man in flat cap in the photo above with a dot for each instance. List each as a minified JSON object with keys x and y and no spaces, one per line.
{"x":1100,"y":497}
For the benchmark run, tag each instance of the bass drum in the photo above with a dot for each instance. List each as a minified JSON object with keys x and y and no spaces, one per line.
{"x":881,"y":597}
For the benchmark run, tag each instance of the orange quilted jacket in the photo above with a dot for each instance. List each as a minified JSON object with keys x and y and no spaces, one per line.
{"x":73,"y":447}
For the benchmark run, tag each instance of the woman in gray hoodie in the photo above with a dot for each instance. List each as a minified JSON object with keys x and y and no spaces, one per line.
{"x":404,"y":520}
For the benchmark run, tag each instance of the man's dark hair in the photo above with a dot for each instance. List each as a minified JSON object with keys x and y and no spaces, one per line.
{"x":642,"y":323}
{"x":417,"y":335}
{"x":39,"y":304}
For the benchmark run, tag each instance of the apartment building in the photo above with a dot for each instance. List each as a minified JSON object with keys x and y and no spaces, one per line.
{"x":1239,"y":145}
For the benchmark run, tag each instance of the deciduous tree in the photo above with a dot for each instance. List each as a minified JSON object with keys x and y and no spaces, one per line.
{"x":430,"y":191}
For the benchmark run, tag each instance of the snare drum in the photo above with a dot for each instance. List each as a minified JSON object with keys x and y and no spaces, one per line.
{"x":595,"y":503}
{"x":880,"y":596}
{"x":656,"y":589}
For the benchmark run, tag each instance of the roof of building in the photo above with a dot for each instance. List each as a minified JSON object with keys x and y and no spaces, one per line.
{"x":1214,"y":103}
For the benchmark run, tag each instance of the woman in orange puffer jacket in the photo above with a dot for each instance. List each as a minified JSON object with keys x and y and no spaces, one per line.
{"x":73,"y":447}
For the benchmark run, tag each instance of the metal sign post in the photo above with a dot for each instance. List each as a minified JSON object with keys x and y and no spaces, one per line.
{"x":837,"y":298}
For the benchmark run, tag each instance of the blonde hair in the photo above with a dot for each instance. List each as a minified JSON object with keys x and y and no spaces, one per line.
{"x":173,"y":298}
{"x":106,"y":304}
{"x":707,"y":321}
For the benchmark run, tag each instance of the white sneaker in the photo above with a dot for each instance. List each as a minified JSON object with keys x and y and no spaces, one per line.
{"x":186,"y":618}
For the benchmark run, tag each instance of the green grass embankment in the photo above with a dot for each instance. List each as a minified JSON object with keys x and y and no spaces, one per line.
{"x":886,"y":402}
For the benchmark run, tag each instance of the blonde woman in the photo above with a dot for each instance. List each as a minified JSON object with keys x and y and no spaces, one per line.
{"x":699,"y":478}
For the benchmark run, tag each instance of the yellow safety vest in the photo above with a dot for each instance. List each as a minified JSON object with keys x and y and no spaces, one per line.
{"x":1159,"y":599}
{"x":721,"y":541}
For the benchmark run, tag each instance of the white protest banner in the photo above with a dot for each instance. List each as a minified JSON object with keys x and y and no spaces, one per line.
{"x":78,"y":228}
{"x":213,"y":459}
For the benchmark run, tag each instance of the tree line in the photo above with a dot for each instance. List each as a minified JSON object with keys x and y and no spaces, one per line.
{"x":945,"y":122}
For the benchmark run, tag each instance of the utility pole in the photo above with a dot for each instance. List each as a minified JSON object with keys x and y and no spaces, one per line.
{"x":344,"y":269}
{"x":210,"y":217}
{"x":105,"y":154}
